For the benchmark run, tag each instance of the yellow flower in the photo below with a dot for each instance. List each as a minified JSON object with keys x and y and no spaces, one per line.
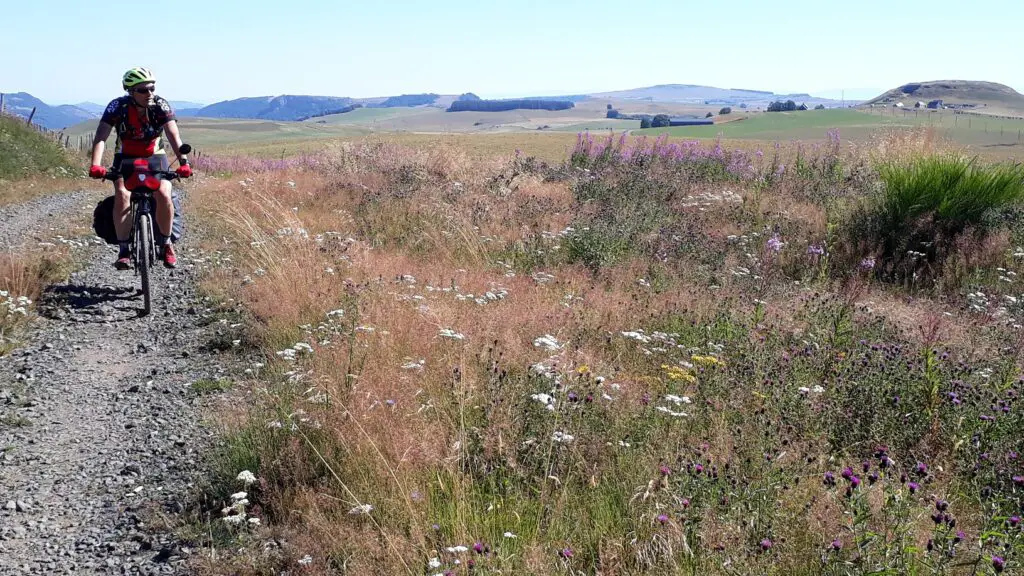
{"x":583,"y":369}
{"x":707,"y":360}
{"x":678,"y":373}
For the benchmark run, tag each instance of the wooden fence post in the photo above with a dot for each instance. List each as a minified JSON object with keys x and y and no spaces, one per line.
{"x":1,"y":103}
{"x":29,"y":123}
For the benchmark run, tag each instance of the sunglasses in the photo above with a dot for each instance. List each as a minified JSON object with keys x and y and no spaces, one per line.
{"x":149,"y":90}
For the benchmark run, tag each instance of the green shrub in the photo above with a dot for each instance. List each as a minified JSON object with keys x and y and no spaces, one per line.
{"x":929,"y":204}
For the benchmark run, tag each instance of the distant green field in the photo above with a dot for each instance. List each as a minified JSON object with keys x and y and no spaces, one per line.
{"x":370,"y":115}
{"x":856,"y":125}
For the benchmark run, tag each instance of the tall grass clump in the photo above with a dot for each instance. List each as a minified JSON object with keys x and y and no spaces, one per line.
{"x":931,"y":206}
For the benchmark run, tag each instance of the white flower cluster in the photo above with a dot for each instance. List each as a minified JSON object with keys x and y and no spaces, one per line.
{"x":14,"y":304}
{"x":235,"y":515}
{"x":548,"y":342}
{"x":708,"y":199}
{"x":299,"y":349}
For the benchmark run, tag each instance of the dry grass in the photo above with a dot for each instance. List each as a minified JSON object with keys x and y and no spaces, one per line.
{"x":23,"y":276}
{"x":435,"y":431}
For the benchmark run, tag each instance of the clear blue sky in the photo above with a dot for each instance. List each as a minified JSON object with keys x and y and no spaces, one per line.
{"x":220,"y":49}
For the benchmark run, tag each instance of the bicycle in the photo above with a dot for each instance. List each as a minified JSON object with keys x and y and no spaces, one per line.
{"x":142,"y":183}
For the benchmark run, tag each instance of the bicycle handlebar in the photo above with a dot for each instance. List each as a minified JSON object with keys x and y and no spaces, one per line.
{"x":113,"y":174}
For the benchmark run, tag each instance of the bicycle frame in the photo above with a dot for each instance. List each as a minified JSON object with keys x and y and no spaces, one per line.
{"x":142,"y":183}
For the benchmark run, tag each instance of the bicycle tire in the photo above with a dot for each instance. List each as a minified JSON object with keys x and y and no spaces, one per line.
{"x":144,"y":259}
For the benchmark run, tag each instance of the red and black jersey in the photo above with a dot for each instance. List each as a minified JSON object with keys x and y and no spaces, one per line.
{"x":138,"y":135}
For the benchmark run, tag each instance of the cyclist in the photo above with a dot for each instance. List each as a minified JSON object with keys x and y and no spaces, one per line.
{"x":139,"y":117}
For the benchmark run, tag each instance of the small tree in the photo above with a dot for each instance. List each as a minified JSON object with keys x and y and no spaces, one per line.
{"x":612,"y":113}
{"x":645,"y":122}
{"x":709,"y":115}
{"x":724,"y":111}
{"x":819,"y":107}
{"x":609,"y":107}
{"x":790,"y":106}
{"x":661,"y":121}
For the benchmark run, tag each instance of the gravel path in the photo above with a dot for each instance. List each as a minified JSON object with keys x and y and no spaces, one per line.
{"x":101,"y":435}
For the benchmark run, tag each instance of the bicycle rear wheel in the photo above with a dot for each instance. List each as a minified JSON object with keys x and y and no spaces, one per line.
{"x":144,"y":259}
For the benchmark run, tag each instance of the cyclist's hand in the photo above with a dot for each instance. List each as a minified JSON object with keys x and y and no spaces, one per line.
{"x":97,"y":171}
{"x":184,"y":171}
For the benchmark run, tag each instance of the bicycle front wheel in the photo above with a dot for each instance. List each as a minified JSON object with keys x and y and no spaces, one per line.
{"x":144,"y":259}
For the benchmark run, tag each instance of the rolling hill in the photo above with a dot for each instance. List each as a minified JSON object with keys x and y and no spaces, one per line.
{"x":285,"y":107}
{"x":52,"y":117}
{"x":692,"y":93}
{"x":987,"y":97}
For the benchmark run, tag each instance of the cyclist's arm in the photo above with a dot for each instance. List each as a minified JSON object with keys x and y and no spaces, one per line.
{"x":99,"y":141}
{"x":171,"y":131}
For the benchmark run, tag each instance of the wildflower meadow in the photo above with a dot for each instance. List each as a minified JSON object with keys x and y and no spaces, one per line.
{"x":653,"y":357}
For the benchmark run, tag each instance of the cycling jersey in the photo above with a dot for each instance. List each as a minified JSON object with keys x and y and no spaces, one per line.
{"x":138,"y":135}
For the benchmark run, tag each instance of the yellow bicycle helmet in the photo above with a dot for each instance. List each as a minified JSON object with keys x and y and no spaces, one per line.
{"x":137,"y":76}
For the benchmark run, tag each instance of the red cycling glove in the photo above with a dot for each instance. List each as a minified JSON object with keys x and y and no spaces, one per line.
{"x":97,"y":171}
{"x":184,"y":171}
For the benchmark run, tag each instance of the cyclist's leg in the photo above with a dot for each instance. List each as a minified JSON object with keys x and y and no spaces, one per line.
{"x":122,"y":210}
{"x":164,"y":206}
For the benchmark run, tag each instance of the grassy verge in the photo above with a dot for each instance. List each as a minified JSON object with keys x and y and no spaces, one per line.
{"x":652,"y":359}
{"x":23,"y":276}
{"x":28,"y":155}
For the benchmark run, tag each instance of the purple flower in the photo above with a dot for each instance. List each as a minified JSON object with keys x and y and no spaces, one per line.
{"x":766,"y":545}
{"x":854,"y":482}
{"x":1018,"y":480}
{"x":665,"y":471}
{"x":698,"y":469}
{"x":921,"y":469}
{"x":1014,"y":521}
{"x":830,"y":479}
{"x":686,"y":502}
{"x":913,"y":487}
{"x":837,"y":544}
{"x":866,"y":465}
{"x":478,"y":547}
{"x":872,"y":478}
{"x":998,"y":563}
{"x":847,"y":473}
{"x":960,"y":536}
{"x":816,"y":249}
{"x":867,"y":264}
{"x":565,"y":552}
{"x":662,"y":518}
{"x":775,"y":244}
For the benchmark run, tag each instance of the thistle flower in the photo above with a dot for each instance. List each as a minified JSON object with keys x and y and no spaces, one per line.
{"x":998,"y":564}
{"x":766,"y":545}
{"x":913,"y":487}
{"x":662,"y":518}
{"x":837,"y":544}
